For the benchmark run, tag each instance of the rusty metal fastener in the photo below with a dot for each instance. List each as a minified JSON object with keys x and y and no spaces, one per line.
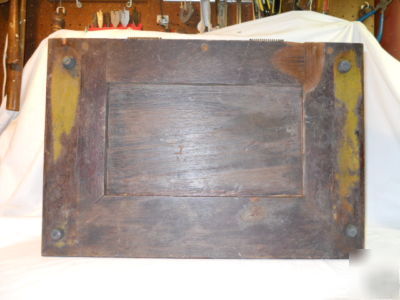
{"x":57,"y":234}
{"x":351,"y":231}
{"x":344,"y":66}
{"x":204,"y":47}
{"x":69,"y":62}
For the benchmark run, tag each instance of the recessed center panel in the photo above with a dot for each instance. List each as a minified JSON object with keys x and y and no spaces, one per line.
{"x":204,"y":140}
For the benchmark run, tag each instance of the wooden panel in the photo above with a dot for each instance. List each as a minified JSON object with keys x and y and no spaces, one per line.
{"x":198,"y":227}
{"x":80,"y":219}
{"x":201,"y":140}
{"x":241,"y":62}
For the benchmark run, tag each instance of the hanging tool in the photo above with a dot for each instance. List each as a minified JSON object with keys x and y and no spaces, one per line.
{"x":365,"y":8}
{"x":296,"y":5}
{"x":239,"y":11}
{"x":107,"y":19}
{"x":205,"y":16}
{"x":258,"y":8}
{"x":325,"y":8}
{"x":115,"y":18}
{"x":124,"y":17}
{"x":59,"y":18}
{"x":78,"y":4}
{"x":129,"y":4}
{"x":100,"y":19}
{"x":310,"y":4}
{"x":277,"y":7}
{"x":136,"y":17}
{"x":265,"y":8}
{"x":94,"y":23}
{"x":222,"y":13}
{"x":382,"y":7}
{"x":186,"y":11}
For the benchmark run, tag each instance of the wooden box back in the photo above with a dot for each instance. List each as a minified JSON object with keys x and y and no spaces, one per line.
{"x":203,"y":149}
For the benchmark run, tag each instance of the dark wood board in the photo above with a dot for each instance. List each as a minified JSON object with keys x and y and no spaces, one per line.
{"x":203,"y":149}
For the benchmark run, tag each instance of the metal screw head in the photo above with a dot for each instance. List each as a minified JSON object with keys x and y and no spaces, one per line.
{"x":344,"y":66}
{"x":69,"y":62}
{"x":351,"y":231}
{"x":57,"y":234}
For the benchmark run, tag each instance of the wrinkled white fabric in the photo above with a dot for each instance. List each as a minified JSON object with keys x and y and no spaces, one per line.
{"x":21,"y":142}
{"x":24,"y":274}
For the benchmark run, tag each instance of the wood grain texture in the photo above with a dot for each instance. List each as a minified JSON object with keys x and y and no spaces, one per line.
{"x":110,"y":190}
{"x":204,"y":227}
{"x":201,"y":140}
{"x":195,"y":61}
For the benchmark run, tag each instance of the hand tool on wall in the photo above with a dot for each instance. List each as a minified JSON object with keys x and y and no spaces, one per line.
{"x":136,"y":16}
{"x":100,"y":19}
{"x":78,"y":4}
{"x":59,"y":17}
{"x":222,"y":13}
{"x":205,"y":16}
{"x":267,"y":8}
{"x":115,"y":18}
{"x":296,"y":5}
{"x":277,"y":7}
{"x":365,"y":8}
{"x":259,"y":9}
{"x":124,"y":17}
{"x":325,"y":8}
{"x":15,"y":53}
{"x":239,"y":11}
{"x":382,"y":7}
{"x":310,"y":4}
{"x":107,"y":19}
{"x":186,"y":11}
{"x":129,"y":4}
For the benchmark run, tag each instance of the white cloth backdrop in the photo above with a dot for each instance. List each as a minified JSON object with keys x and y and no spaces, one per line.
{"x":21,"y":143}
{"x":24,"y":274}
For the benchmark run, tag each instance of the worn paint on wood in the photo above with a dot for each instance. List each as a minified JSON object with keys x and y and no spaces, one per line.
{"x":65,"y":90}
{"x":147,"y":89}
{"x":348,"y":90}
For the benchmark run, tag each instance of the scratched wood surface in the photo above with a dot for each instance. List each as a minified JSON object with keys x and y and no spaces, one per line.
{"x":192,"y":149}
{"x":186,"y":140}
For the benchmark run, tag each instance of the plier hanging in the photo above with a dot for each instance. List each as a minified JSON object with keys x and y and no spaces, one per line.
{"x":381,"y":6}
{"x":268,"y":7}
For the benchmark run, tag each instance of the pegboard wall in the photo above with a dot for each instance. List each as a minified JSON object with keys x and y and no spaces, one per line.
{"x":350,"y":10}
{"x":39,"y":19}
